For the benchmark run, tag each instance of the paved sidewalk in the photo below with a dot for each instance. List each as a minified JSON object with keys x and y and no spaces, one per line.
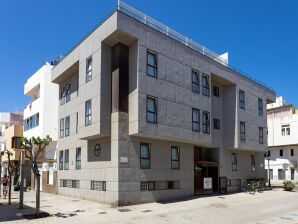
{"x":275,"y":206}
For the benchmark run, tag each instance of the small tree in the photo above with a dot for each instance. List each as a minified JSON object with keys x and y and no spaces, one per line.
{"x":33,"y":148}
{"x":10,"y":170}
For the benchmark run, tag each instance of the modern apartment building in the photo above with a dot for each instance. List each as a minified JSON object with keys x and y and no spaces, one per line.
{"x":8,"y":119}
{"x":40,"y":119}
{"x":282,"y":141}
{"x":146,"y":114}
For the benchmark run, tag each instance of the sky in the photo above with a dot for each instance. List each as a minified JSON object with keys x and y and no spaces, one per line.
{"x":260,"y":36}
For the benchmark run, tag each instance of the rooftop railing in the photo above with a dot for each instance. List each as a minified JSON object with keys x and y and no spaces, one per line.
{"x":147,"y":20}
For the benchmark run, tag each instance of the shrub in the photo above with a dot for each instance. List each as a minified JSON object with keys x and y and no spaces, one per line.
{"x":288,"y":185}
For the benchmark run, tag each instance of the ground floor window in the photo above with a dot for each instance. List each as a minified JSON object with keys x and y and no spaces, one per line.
{"x":159,"y":185}
{"x":98,"y":185}
{"x":70,"y":183}
{"x":281,"y":174}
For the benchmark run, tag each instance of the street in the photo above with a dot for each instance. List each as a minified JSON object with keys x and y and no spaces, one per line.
{"x":276,"y":206}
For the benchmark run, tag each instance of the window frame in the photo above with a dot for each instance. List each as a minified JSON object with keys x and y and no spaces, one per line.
{"x":197,"y":122}
{"x":102,"y":183}
{"x":216,"y":123}
{"x":61,"y":160}
{"x":215,"y":90}
{"x":261,"y":135}
{"x":66,"y":159}
{"x":206,"y":123}
{"x":68,"y":92}
{"x":78,"y":161}
{"x":174,"y":160}
{"x":241,"y":99}
{"x":260,"y":107}
{"x":62,"y":123}
{"x":234,"y":161}
{"x":145,"y":158}
{"x":67,"y":126}
{"x":89,"y":73}
{"x":88,"y":116}
{"x":205,"y":88}
{"x":292,"y":152}
{"x":281,"y":152}
{"x":148,"y":112}
{"x":154,"y":67}
{"x":242,"y":133}
{"x":195,"y":83}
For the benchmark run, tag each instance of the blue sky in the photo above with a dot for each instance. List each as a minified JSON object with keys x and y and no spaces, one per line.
{"x":260,"y":36}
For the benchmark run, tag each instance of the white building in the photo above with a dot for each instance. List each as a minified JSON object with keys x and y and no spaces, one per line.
{"x":6,"y":120}
{"x":41,"y":114}
{"x":282,"y":140}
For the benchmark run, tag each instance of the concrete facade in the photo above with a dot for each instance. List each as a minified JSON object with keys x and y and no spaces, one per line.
{"x":282,"y":141}
{"x":41,"y":115}
{"x":110,"y":145}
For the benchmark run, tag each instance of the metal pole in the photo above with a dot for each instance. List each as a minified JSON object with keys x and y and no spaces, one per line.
{"x":21,"y":205}
{"x":269,"y":182}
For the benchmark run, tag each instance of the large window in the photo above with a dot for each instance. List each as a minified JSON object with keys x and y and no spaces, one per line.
{"x":175,"y":157}
{"x":145,"y":156}
{"x":195,"y":119}
{"x":242,"y":99}
{"x":67,"y":126}
{"x":253,"y":163}
{"x":151,"y":109}
{"x":206,"y":122}
{"x":88,"y":112}
{"x":151,"y":64}
{"x":234,"y":161}
{"x":285,"y":130}
{"x":205,"y":85}
{"x":31,"y":122}
{"x":66,"y":160}
{"x":195,"y":81}
{"x":98,"y":185}
{"x":62,"y":128}
{"x":261,"y":135}
{"x":78,"y":158}
{"x":260,"y":107}
{"x":89,"y":69}
{"x":70,"y":183}
{"x":61,"y":160}
{"x":242,"y":131}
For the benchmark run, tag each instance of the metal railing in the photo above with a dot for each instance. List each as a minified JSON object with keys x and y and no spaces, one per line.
{"x":147,"y":20}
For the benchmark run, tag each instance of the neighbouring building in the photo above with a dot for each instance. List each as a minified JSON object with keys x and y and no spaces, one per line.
{"x":146,"y":114}
{"x":8,"y":119}
{"x":13,"y":135}
{"x":282,"y":119}
{"x":40,"y":119}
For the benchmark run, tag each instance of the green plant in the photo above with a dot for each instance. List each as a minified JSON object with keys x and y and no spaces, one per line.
{"x":288,"y":185}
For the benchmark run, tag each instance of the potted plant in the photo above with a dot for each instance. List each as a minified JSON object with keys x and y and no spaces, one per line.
{"x":288,"y":185}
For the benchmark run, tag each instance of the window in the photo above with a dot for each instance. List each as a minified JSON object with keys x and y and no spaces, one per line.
{"x":16,"y":142}
{"x":253,"y":163}
{"x":70,"y":183}
{"x":62,"y":128}
{"x":205,"y":85}
{"x":77,"y":122}
{"x":195,"y":119}
{"x":151,"y":64}
{"x":281,"y":152}
{"x":67,"y":124}
{"x":88,"y":112}
{"x":260,"y":107}
{"x":261,"y":135}
{"x":98,"y":185}
{"x":292,"y":152}
{"x":175,"y":157}
{"x":62,"y":95}
{"x":61,"y":160}
{"x":145,"y":156}
{"x":66,"y":160}
{"x":242,"y":99}
{"x":31,"y":122}
{"x":206,"y":122}
{"x":78,"y":158}
{"x":151,"y":109}
{"x":281,"y":174}
{"x":195,"y":81}
{"x":68,"y":92}
{"x":216,"y":91}
{"x":234,"y":161}
{"x":159,"y":185}
{"x":242,"y":131}
{"x":89,"y":69}
{"x":216,"y":123}
{"x":285,"y":130}
{"x":269,"y":153}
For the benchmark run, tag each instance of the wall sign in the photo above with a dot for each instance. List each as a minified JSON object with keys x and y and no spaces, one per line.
{"x":207,"y":183}
{"x":97,"y":150}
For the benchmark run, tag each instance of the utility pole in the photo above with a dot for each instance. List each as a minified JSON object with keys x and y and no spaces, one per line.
{"x":21,"y":205}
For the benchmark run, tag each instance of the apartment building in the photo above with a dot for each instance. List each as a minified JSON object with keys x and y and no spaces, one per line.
{"x":282,"y":141}
{"x":8,"y":119}
{"x":40,"y":119}
{"x":146,"y":114}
